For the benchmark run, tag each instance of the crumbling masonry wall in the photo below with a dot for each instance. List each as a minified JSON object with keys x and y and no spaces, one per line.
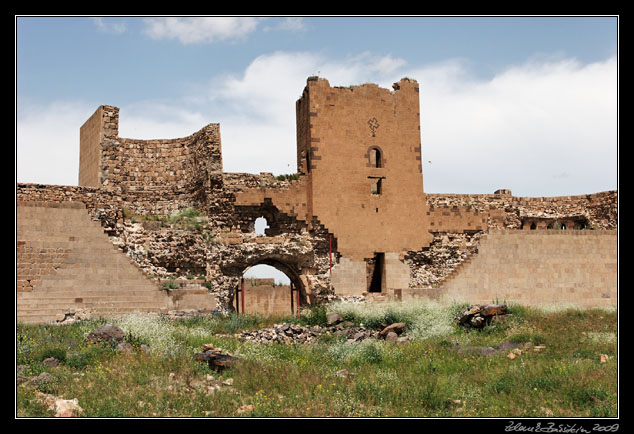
{"x":459,"y":221}
{"x":357,"y":202}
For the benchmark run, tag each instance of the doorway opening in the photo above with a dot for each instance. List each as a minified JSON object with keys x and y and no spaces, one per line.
{"x":269,"y":287}
{"x":376,"y":272}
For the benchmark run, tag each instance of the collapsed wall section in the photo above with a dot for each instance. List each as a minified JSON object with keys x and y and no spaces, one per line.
{"x":468,"y":212}
{"x":459,"y":221}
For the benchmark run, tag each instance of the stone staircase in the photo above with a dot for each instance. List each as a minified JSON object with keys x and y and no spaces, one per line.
{"x":539,"y":268}
{"x":66,"y":264}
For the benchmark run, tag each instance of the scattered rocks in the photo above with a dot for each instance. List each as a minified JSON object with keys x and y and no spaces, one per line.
{"x":334,"y":318}
{"x":343,"y":373}
{"x":478,"y":316}
{"x":396,"y":329}
{"x":72,"y":315}
{"x":124,"y":347}
{"x":106,"y":333}
{"x":41,"y":380}
{"x":286,"y":333}
{"x":487,"y":351}
{"x":216,"y":358}
{"x":209,"y":384}
{"x":248,"y":408}
{"x":514,"y":353}
{"x":51,"y":362}
{"x":61,"y":407}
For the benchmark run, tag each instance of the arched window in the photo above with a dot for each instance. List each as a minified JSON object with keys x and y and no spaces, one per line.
{"x":376,"y":158}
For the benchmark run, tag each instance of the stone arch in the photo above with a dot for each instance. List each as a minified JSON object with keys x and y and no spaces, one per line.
{"x":294,"y":260}
{"x":271,"y":300}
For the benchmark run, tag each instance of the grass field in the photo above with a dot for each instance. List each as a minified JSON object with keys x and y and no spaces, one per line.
{"x":539,"y":363}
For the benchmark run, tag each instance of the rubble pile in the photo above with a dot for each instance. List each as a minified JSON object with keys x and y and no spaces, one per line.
{"x":296,"y":334}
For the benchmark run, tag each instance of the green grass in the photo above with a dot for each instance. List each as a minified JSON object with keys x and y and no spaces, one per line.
{"x":430,"y":376}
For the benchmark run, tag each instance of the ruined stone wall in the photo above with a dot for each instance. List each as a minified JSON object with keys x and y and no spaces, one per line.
{"x":458,"y":222}
{"x":140,"y":164}
{"x":214,"y":247}
{"x":288,"y":198}
{"x":152,"y":176}
{"x":105,"y":121}
{"x":263,"y":296}
{"x":508,"y":211}
{"x":105,"y":206}
{"x":359,"y":194}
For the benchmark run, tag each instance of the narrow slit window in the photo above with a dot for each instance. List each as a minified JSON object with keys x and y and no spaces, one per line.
{"x":376,"y":185}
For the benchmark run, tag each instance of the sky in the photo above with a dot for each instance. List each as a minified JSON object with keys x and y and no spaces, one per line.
{"x":526,"y":103}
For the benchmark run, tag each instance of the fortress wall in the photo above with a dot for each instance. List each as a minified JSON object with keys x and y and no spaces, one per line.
{"x":457,"y":219}
{"x":539,"y":268}
{"x":291,"y":200}
{"x":102,"y":205}
{"x":359,"y":157}
{"x":104,"y":120}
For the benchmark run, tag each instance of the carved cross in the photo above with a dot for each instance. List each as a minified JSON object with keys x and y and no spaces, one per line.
{"x":374,"y":124}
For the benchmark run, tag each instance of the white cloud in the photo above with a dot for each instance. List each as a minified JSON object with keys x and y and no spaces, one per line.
{"x":107,"y":26}
{"x":521,"y":129}
{"x":192,"y":30}
{"x":47,"y":142}
{"x":293,"y":24}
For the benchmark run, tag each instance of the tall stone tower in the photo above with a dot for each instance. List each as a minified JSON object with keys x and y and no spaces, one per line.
{"x":360,"y":150}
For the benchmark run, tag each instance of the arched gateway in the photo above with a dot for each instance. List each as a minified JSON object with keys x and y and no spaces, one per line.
{"x":265,"y":296}
{"x":293,"y":257}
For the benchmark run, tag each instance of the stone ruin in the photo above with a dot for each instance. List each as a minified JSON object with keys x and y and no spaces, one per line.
{"x":352,"y":222}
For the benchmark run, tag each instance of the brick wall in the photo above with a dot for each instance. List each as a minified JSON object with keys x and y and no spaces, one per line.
{"x":457,"y":219}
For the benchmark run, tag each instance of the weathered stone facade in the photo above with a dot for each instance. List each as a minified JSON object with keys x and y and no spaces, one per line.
{"x":353,"y":220}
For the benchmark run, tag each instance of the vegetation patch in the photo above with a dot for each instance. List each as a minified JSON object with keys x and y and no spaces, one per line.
{"x":546,"y":363}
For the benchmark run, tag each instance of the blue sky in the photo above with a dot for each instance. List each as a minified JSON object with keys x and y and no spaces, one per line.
{"x":525,"y":103}
{"x":479,"y":78}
